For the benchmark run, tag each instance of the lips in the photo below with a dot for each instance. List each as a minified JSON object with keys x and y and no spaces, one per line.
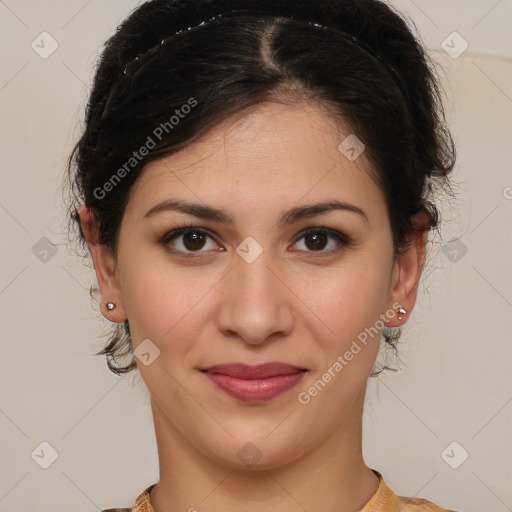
{"x":254,"y":383}
{"x":248,"y":372}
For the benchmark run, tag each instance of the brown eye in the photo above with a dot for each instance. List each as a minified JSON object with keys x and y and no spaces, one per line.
{"x":190,"y":239}
{"x":317,"y":239}
{"x":193,"y":240}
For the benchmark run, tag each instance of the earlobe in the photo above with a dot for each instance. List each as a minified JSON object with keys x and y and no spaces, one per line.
{"x":105,"y":266}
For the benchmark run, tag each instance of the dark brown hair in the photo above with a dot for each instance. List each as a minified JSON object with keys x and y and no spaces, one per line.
{"x":365,"y":66}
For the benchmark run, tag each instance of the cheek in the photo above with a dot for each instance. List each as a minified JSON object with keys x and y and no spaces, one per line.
{"x":349,"y":298}
{"x":163,"y":303}
{"x":348,"y":334}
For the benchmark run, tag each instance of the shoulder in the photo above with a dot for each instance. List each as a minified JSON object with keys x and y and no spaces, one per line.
{"x":142,"y":503}
{"x":386,"y":499}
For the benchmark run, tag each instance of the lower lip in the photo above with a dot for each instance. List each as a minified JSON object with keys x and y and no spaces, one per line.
{"x":255,"y":390}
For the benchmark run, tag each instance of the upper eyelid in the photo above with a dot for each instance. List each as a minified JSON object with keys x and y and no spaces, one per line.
{"x":302,"y":232}
{"x":180,"y":231}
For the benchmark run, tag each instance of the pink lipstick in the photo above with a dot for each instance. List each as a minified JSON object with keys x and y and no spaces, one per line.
{"x":254,"y":383}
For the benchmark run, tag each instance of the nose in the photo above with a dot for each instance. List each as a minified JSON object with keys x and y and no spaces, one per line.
{"x":256,"y":305}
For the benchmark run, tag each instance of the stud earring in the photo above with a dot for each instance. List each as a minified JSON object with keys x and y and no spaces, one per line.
{"x":110,"y":306}
{"x":401,"y":311}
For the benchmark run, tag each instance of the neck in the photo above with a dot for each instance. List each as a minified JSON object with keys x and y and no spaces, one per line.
{"x":330,"y":477}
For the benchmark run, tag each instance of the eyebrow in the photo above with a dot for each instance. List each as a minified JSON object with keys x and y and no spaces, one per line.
{"x":286,"y":218}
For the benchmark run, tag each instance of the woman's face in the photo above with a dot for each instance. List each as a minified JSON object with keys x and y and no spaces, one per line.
{"x":255,"y":291}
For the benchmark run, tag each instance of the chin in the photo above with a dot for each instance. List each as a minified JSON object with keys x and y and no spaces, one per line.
{"x":256,"y":452}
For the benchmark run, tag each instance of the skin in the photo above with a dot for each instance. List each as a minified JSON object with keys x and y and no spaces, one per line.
{"x":284,"y":306}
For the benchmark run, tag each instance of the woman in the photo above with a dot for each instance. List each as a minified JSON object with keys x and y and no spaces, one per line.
{"x":254,"y":185}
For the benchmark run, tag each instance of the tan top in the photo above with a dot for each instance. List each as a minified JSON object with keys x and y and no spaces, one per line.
{"x":384,"y":500}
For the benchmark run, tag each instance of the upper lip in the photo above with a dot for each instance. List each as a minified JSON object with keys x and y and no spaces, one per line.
{"x":258,"y":371}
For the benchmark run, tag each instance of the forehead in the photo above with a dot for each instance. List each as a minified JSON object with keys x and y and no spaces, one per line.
{"x":274,"y":153}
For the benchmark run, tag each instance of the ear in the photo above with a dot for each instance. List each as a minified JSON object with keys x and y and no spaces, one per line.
{"x":407,"y":273}
{"x":105,"y":267}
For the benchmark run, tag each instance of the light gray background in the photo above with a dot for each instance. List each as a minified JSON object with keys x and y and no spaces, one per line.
{"x":457,"y":348}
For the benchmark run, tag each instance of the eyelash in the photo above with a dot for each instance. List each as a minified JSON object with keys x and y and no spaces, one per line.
{"x":176,"y":232}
